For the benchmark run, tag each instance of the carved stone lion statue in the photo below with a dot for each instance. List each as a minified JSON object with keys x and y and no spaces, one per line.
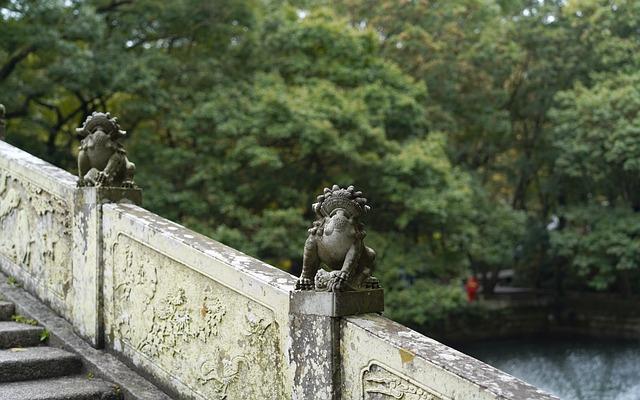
{"x":336,"y":241}
{"x":102,"y":160}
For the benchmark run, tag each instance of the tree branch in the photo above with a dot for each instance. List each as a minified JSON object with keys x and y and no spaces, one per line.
{"x":10,"y":65}
{"x":112,"y":6}
{"x":24,"y":109}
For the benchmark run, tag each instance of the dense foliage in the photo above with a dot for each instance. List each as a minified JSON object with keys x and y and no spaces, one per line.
{"x":470,"y":124}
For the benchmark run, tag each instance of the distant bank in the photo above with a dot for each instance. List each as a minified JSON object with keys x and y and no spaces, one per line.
{"x":513,"y":314}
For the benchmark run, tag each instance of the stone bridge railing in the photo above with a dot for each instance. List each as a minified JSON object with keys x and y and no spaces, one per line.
{"x":203,"y":320}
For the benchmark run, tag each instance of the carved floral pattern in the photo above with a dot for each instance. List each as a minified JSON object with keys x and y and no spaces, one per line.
{"x":173,"y":322}
{"x":199,"y":332}
{"x":221,"y":377}
{"x":378,"y":383}
{"x":27,"y":213}
{"x":212,"y":311}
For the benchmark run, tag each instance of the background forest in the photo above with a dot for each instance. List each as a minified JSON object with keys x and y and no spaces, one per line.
{"x":487,"y":134}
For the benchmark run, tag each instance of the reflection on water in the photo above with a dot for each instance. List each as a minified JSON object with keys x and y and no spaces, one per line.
{"x":570,"y":369}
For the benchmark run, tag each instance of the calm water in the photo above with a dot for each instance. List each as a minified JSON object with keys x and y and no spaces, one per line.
{"x":570,"y":369}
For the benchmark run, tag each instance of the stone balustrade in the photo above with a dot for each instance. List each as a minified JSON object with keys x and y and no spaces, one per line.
{"x":201,"y":319}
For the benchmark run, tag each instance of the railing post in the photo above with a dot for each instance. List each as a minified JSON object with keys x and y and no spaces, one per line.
{"x":336,"y":241}
{"x":87,"y":257}
{"x":315,"y":337}
{"x":98,"y":184}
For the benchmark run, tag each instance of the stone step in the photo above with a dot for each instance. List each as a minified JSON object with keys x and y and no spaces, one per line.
{"x":6,"y":310}
{"x":13,"y":334}
{"x":68,"y":388}
{"x":23,"y":364}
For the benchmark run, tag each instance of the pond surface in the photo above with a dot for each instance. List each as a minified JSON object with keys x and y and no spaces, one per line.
{"x":570,"y":369}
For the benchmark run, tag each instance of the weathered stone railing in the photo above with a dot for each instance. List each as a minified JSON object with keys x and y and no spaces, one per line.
{"x":202,"y":319}
{"x":37,"y":230}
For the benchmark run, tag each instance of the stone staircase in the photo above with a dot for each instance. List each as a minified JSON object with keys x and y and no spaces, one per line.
{"x":30,"y":370}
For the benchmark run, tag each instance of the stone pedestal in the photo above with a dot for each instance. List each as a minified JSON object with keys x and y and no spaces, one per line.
{"x":337,"y":304}
{"x":87,"y":257}
{"x":315,"y":337}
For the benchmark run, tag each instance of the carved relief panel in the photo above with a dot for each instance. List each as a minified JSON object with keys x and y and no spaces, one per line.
{"x":191,"y":329}
{"x":35,"y":232}
{"x":379,"y":383}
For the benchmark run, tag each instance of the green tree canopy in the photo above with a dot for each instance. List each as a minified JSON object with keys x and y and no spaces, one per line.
{"x":469,"y":124}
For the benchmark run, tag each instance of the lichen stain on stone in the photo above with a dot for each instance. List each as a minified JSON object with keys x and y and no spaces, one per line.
{"x":406,"y":356}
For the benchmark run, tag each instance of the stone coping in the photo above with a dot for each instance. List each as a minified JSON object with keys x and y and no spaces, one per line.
{"x":261,"y":271}
{"x":47,"y":175}
{"x":414,"y":344}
